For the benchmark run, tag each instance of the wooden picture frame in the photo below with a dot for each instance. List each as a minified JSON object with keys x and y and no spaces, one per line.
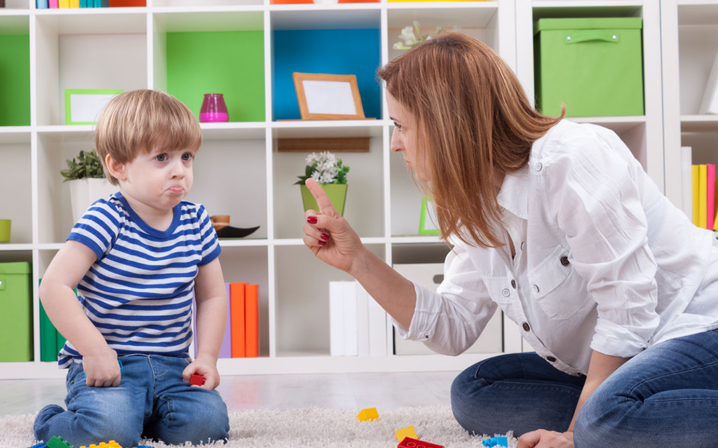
{"x":328,"y":97}
{"x":427,"y":221}
{"x":83,"y":106}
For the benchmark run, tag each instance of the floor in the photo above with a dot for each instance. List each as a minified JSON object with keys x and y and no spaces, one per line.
{"x":330,"y":391}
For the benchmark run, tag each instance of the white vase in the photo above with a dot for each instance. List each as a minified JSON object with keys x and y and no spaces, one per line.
{"x":83,"y":192}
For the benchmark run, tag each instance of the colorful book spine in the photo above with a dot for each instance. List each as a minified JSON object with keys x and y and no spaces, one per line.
{"x":702,"y":187}
{"x":226,"y":350}
{"x":237,"y":305}
{"x":710,"y":195}
{"x":42,"y":4}
{"x":53,"y":4}
{"x":62,"y":4}
{"x":695,"y":177}
{"x":74,"y":3}
{"x":251,"y":296}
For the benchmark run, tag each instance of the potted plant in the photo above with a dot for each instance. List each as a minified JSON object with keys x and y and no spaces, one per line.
{"x":331,"y":174}
{"x":87,"y":182}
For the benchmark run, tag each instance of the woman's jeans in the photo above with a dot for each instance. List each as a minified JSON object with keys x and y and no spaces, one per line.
{"x":666,"y":396}
{"x":151,"y":400}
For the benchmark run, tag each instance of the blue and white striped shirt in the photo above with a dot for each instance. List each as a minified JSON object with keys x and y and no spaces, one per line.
{"x":139,"y":291}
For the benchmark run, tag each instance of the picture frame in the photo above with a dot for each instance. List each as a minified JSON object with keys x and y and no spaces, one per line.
{"x":328,"y":97}
{"x":83,"y":106}
{"x":427,"y":220}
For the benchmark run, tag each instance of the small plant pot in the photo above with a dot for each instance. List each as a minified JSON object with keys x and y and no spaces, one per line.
{"x":83,"y":192}
{"x":5,"y":227}
{"x":337,"y":195}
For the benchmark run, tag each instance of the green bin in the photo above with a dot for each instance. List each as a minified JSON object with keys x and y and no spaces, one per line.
{"x":16,"y":315}
{"x":593,"y":66}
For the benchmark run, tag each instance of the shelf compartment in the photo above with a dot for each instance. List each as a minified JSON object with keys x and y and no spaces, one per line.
{"x":16,"y":185}
{"x":83,"y":51}
{"x":364,"y":193}
{"x":204,"y":3}
{"x":340,"y":42}
{"x":15,"y":68}
{"x":16,"y":5}
{"x":212,"y":52}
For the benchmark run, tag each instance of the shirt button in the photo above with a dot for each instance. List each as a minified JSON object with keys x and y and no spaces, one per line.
{"x":506,"y":292}
{"x":536,"y":288}
{"x":513,"y":284}
{"x":526,"y":327}
{"x":539,"y":167}
{"x":564,"y":261}
{"x":550,"y":359}
{"x":522,"y":245}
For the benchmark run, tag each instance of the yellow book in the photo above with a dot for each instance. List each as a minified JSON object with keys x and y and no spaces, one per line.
{"x":702,"y":196}
{"x":715,"y":207}
{"x":74,"y":3}
{"x":695,"y":176}
{"x":63,"y":4}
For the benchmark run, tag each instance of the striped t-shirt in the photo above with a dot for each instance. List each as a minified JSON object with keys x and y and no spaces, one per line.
{"x":139,"y":291}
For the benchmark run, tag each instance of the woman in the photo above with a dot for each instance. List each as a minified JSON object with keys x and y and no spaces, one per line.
{"x":558,"y":225}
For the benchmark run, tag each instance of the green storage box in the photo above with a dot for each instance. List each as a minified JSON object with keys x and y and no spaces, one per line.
{"x":593,"y":66}
{"x":16,"y":315}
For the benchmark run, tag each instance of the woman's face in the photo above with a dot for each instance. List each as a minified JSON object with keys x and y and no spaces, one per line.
{"x":404,"y":139}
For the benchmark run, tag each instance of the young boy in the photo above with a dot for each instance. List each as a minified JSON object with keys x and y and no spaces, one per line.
{"x":135,"y":258}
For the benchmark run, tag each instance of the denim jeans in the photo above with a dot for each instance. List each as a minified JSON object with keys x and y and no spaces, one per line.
{"x":665,"y":396}
{"x":151,"y":400}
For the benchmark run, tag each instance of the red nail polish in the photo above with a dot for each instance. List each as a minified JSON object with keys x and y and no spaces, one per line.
{"x":325,"y":237}
{"x":312,"y":219}
{"x":322,"y":243}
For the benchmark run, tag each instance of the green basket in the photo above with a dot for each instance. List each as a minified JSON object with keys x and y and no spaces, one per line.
{"x":593,"y":66}
{"x":16,"y":316}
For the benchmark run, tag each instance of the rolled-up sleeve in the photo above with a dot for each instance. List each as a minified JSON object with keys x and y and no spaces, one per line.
{"x":451,"y":319}
{"x":595,"y":190}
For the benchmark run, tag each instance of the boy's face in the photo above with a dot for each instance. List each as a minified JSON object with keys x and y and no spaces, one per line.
{"x":158,"y":180}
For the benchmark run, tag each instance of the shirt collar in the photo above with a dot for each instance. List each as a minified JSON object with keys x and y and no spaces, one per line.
{"x":514,"y":193}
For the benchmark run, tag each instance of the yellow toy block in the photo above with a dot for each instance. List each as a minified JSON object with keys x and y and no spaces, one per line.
{"x":368,"y":414}
{"x":406,"y":432}
{"x":110,"y":444}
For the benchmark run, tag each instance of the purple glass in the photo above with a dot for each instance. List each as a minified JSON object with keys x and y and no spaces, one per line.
{"x":213,"y":109}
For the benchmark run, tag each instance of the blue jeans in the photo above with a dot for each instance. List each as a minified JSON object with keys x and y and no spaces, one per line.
{"x":665,"y":396}
{"x":151,"y":400}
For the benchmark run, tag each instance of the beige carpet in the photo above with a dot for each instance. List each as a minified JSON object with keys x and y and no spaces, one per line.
{"x":306,"y":428}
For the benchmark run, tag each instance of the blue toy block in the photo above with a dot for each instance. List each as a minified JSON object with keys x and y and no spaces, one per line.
{"x":496,"y":441}
{"x":39,"y":445}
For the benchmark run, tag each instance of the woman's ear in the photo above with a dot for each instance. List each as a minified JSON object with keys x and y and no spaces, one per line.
{"x":115,"y":168}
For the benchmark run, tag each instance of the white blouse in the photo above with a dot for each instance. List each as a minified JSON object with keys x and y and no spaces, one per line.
{"x":603,"y":260}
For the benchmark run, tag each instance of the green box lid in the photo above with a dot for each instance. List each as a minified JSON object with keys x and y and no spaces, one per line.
{"x":595,"y":23}
{"x":22,"y":267}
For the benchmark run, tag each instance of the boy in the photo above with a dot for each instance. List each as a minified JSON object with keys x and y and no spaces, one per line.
{"x":135,"y":258}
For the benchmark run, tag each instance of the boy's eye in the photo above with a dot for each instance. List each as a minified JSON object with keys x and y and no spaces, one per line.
{"x":161,"y":157}
{"x":187,"y":156}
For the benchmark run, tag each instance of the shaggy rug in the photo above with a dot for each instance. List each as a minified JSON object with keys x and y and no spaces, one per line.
{"x":308,"y":428}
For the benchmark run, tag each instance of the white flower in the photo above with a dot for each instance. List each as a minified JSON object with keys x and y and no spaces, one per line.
{"x":326,"y":179}
{"x":407,"y":36}
{"x":316,"y":176}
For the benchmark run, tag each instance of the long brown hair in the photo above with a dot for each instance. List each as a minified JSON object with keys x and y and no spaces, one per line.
{"x":473,"y":120}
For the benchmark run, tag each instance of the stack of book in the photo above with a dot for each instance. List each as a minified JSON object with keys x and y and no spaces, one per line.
{"x":241,"y":338}
{"x":703,"y":179}
{"x":357,"y":324}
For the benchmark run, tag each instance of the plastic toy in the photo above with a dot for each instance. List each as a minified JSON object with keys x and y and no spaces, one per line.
{"x":196,"y":380}
{"x":58,"y":442}
{"x":110,"y":444}
{"x":408,"y":442}
{"x":403,"y":433}
{"x":39,"y":445}
{"x":368,"y":414}
{"x":496,"y":441}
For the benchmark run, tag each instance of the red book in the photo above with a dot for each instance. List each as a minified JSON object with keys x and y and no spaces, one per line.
{"x":236,"y":298}
{"x":251,"y":297}
{"x":710,"y":192}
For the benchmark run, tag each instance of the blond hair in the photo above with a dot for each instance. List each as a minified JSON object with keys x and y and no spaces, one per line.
{"x":140,"y":121}
{"x":474,"y":120}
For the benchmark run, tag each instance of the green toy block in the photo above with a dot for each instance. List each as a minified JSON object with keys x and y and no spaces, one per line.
{"x":58,"y":442}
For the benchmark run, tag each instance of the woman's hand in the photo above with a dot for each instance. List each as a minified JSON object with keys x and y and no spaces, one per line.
{"x":330,"y":236}
{"x":546,"y":439}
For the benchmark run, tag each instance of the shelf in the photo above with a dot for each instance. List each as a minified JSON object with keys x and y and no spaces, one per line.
{"x":699,"y":123}
{"x":14,"y":134}
{"x":327,"y":129}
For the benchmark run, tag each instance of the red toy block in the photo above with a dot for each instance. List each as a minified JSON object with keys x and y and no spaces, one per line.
{"x":196,"y":380}
{"x":408,"y":442}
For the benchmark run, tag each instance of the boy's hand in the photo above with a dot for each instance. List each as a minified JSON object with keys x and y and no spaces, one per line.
{"x":102,"y":369}
{"x":206,"y":366}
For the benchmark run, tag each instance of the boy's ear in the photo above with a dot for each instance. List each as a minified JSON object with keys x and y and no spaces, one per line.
{"x":115,"y":168}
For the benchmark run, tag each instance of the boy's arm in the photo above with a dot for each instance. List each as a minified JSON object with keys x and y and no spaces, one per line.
{"x":58,"y":298}
{"x":211,"y":297}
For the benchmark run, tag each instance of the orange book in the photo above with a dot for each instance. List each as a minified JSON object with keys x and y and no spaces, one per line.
{"x":236,"y":298}
{"x":251,"y":296}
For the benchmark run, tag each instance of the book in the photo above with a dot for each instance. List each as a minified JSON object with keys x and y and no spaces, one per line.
{"x":63,"y":3}
{"x":687,"y":181}
{"x":251,"y":297}
{"x":74,"y":3}
{"x":239,"y":343}
{"x":336,"y":319}
{"x":226,"y":350}
{"x":702,"y":188}
{"x":42,"y":4}
{"x":53,"y":4}
{"x":695,"y":178}
{"x":710,"y":195}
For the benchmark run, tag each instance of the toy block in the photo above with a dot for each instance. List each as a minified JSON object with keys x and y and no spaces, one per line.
{"x":496,"y":441}
{"x":39,"y":445}
{"x":368,"y":414}
{"x":196,"y":380}
{"x":58,"y":442}
{"x":110,"y":444}
{"x":408,"y":442}
{"x":403,"y":433}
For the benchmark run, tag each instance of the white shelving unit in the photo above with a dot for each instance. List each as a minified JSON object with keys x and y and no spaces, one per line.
{"x":239,"y":171}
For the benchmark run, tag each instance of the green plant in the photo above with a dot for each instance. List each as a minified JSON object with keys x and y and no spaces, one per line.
{"x":324,"y":168}
{"x":87,"y":165}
